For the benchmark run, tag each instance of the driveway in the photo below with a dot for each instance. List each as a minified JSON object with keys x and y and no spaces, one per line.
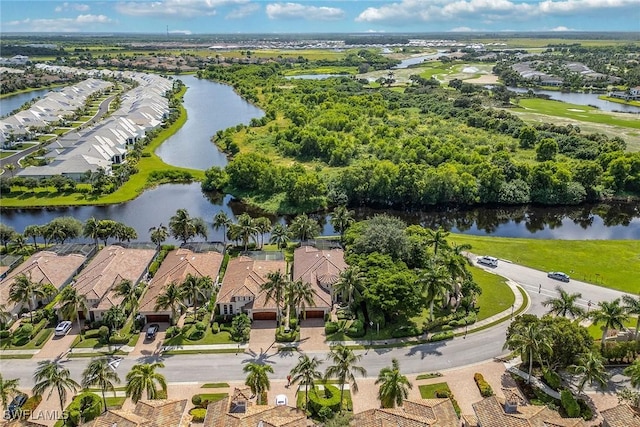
{"x":312,"y":337}
{"x":58,"y":346}
{"x":263,"y":336}
{"x":150,"y":347}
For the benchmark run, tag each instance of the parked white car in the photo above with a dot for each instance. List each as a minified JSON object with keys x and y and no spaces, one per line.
{"x":488,"y":260}
{"x":63,"y":328}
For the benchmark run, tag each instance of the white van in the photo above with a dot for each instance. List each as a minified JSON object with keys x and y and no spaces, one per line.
{"x":488,"y":260}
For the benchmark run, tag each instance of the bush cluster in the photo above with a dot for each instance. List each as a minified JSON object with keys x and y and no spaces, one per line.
{"x":90,"y":411}
{"x":92,"y":333}
{"x":327,"y":398}
{"x":172,"y":331}
{"x":444,"y":393}
{"x":119,"y":339}
{"x":441,"y":336}
{"x":330,"y":328}
{"x":569,"y":404}
{"x":552,"y":379}
{"x":198,"y":414}
{"x":282,"y":336}
{"x":406,"y":331}
{"x":356,"y":329}
{"x":483,"y":386}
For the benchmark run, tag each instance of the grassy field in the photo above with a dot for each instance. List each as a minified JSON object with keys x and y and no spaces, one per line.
{"x":609,"y":263}
{"x":215,"y":385}
{"x":221,"y":337}
{"x":619,"y":101}
{"x":496,"y":294}
{"x":428,"y":391}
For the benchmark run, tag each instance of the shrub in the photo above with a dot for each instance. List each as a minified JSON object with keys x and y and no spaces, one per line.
{"x":172,"y":331}
{"x":195,"y":334}
{"x":103,"y":331}
{"x":325,"y":413}
{"x":327,"y":398}
{"x":86,"y":406}
{"x":330,"y":328}
{"x":41,"y":339}
{"x":552,"y":379}
{"x":201,"y":326}
{"x":441,"y":336}
{"x":569,"y":404}
{"x":5,"y":334}
{"x":196,"y":400}
{"x":92,"y":333}
{"x":444,"y":393}
{"x":31,"y":404}
{"x":282,"y":336}
{"x":356,"y":329}
{"x":119,"y":339}
{"x":215,"y":328}
{"x":447,"y":327}
{"x":585,"y":411}
{"x":406,"y":331}
{"x":198,"y":414}
{"x":483,"y":386}
{"x":293,"y":323}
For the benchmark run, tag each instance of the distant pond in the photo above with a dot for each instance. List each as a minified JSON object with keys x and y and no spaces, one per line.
{"x":13,"y":102}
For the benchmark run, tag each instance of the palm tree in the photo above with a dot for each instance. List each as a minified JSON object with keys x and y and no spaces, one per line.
{"x":437,"y":239}
{"x":129,"y":293}
{"x":565,"y":304}
{"x":343,"y":368}
{"x":158,"y":235}
{"x":279,"y":236}
{"x":243,"y":230}
{"x":143,"y":377}
{"x":221,"y":220}
{"x":394,"y":387}
{"x":530,"y":341}
{"x":100,"y":373}
{"x":306,"y":373}
{"x":350,"y":284}
{"x":632,"y":307}
{"x":436,"y":283}
{"x":91,"y":230}
{"x":304,"y":228}
{"x":8,"y":388}
{"x":263,"y":225}
{"x":341,"y":219}
{"x":24,"y":291}
{"x":633,"y":372}
{"x":33,"y":231}
{"x":19,"y":243}
{"x":196,"y":287}
{"x":172,"y":297}
{"x":275,"y":287}
{"x":590,"y":368}
{"x":184,"y":227}
{"x":73,"y":303}
{"x":5,"y":315}
{"x":301,"y":296}
{"x":114,"y":318}
{"x":257,"y":378}
{"x":611,"y":314}
{"x":51,"y":374}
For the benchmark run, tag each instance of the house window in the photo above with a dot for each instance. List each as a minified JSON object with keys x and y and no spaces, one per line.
{"x":225,"y":308}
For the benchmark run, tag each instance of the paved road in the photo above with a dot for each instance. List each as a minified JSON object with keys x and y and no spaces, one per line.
{"x":477,"y":347}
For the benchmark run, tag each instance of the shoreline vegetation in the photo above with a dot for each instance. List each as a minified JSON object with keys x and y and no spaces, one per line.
{"x":32,"y":89}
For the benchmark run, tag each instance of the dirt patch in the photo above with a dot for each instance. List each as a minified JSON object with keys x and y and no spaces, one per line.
{"x":487,"y":79}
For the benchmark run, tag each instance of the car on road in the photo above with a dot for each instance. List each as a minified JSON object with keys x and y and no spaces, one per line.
{"x":488,"y":260}
{"x":63,"y":328}
{"x":152,"y":331}
{"x":558,"y":275}
{"x":13,"y":410}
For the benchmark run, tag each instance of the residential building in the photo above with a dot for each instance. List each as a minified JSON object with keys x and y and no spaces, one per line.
{"x":109,"y":268}
{"x":239,"y":411}
{"x":241,"y":290}
{"x":322,"y":269}
{"x":621,"y":416}
{"x":44,"y":267}
{"x":412,"y":413}
{"x":174,"y":268}
{"x":147,"y":413}
{"x":512,"y":411}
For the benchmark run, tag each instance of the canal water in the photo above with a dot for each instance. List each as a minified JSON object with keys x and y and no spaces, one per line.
{"x":587,"y":99}
{"x":13,"y":102}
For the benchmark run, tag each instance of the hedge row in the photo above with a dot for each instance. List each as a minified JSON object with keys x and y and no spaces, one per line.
{"x":447,"y":393}
{"x":327,"y":398}
{"x":90,"y":412}
{"x":569,"y":404}
{"x":441,"y":336}
{"x":483,"y":386}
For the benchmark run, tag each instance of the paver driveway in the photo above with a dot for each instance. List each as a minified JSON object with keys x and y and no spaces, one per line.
{"x":58,"y":346}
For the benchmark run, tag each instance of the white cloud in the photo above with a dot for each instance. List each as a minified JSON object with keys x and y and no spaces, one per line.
{"x":243,"y":11}
{"x":185,"y":32}
{"x":175,"y":8}
{"x":482,"y":10}
{"x":79,"y":7}
{"x":60,"y":25}
{"x":562,"y":28}
{"x":461,"y":30}
{"x":300,"y":11}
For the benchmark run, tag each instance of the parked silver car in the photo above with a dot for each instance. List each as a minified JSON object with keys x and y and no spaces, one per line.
{"x":558,"y":275}
{"x":63,"y":328}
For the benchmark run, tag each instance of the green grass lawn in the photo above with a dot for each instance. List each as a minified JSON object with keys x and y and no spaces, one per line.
{"x":595,"y":330}
{"x":215,"y":385}
{"x":347,"y":401}
{"x":609,"y":263}
{"x":222,"y":337}
{"x":428,"y":376}
{"x":428,"y":391}
{"x":213,"y":397}
{"x":36,"y":342}
{"x":576,"y":112}
{"x":115,"y":402}
{"x":4,"y":154}
{"x":496,"y":295}
{"x":321,"y":70}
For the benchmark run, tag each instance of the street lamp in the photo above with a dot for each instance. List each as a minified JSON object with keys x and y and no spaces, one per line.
{"x":466,"y":327}
{"x":512,"y":307}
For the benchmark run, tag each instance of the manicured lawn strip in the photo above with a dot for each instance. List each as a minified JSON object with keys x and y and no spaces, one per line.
{"x":96,"y":354}
{"x":576,"y":112}
{"x":16,"y":356}
{"x":496,"y":294}
{"x":614,"y":261}
{"x":213,"y":397}
{"x":222,"y":337}
{"x":6,"y":154}
{"x":595,"y":330}
{"x":619,"y":101}
{"x":215,"y":385}
{"x":217,"y":351}
{"x":428,"y":391}
{"x":428,"y":376}
{"x":115,"y":402}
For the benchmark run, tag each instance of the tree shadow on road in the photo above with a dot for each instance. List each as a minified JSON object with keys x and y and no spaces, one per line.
{"x":428,"y":349}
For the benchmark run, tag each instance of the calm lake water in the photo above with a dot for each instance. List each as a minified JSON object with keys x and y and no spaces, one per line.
{"x":212,"y":106}
{"x":581,"y":99}
{"x":13,"y":102}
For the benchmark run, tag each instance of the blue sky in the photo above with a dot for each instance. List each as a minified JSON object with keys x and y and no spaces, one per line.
{"x":304,"y":16}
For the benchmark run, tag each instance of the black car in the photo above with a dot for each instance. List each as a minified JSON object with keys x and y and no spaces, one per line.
{"x":152,"y":331}
{"x":13,"y":410}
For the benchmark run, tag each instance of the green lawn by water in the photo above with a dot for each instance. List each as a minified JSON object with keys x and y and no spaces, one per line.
{"x":610,"y":263}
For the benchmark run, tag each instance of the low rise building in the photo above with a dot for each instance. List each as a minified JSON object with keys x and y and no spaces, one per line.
{"x":412,"y":413}
{"x":147,"y":413}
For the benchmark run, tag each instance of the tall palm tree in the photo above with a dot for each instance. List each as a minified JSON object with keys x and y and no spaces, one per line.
{"x":221,"y":220}
{"x":349,"y":285}
{"x":301,"y":296}
{"x":114,"y":318}
{"x":143,"y":377}
{"x":394,"y":387}
{"x":73,"y":303}
{"x":343,"y":368}
{"x":245,"y":229}
{"x":19,"y":243}
{"x":185,"y":228}
{"x":437,"y":239}
{"x":100,"y":373}
{"x":633,"y":372}
{"x":436,"y":283}
{"x":195,"y":287}
{"x":531,"y":341}
{"x":172,"y":297}
{"x":8,"y":388}
{"x":275,"y":287}
{"x":632,"y":307}
{"x":304,"y":228}
{"x":129,"y":293}
{"x":263,"y":225}
{"x":279,"y":236}
{"x":158,"y":235}
{"x":306,"y":373}
{"x":590,"y":368}
{"x":33,"y":231}
{"x":91,"y":230}
{"x":611,"y":314}
{"x":257,"y":378}
{"x":51,"y":375}
{"x":24,"y":291}
{"x":565,"y":304}
{"x":341,"y":219}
